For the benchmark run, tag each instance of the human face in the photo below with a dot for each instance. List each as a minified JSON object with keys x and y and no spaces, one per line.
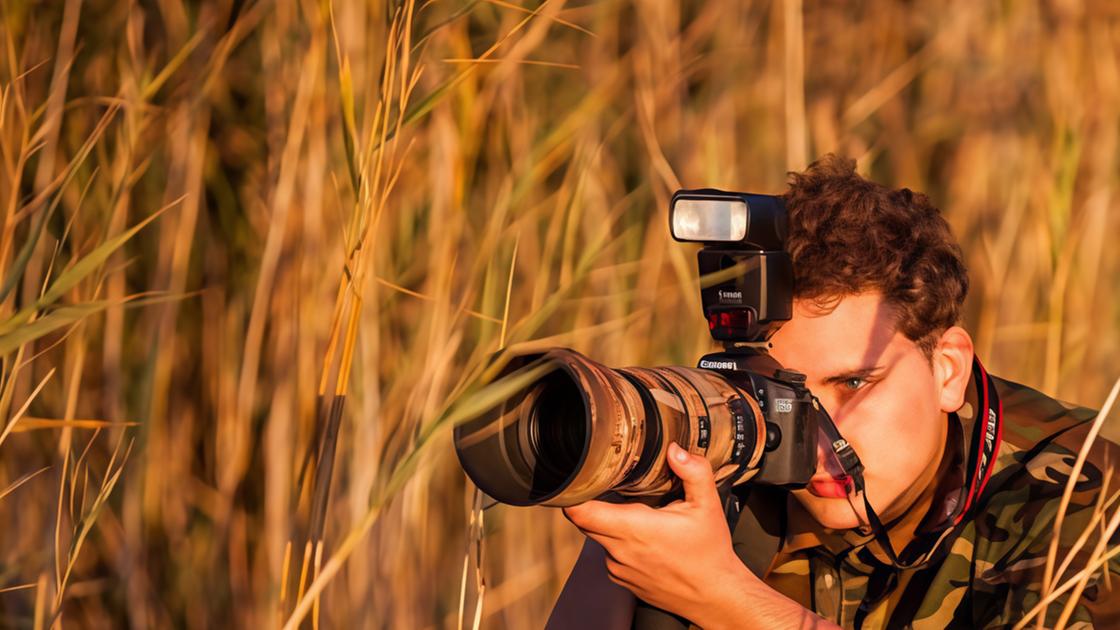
{"x":883,"y":393}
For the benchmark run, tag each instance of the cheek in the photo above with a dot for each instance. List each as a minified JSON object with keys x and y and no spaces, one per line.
{"x":896,"y":434}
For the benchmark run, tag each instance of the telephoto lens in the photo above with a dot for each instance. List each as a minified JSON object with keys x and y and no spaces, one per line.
{"x":583,"y":430}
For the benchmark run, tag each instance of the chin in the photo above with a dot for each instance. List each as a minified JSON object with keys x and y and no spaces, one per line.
{"x":830,"y":513}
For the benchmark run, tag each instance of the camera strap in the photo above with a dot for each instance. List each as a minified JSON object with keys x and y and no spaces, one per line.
{"x":986,"y":433}
{"x":853,"y":471}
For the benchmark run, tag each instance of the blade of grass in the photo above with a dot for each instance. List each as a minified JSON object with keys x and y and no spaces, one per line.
{"x":14,"y":334}
{"x":17,"y":483}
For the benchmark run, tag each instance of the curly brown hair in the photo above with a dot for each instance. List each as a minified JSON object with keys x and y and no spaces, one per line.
{"x":848,"y":235}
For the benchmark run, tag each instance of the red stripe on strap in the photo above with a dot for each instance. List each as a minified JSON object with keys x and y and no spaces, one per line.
{"x":981,"y":424}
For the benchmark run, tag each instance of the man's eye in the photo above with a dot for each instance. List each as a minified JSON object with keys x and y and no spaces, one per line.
{"x":854,"y":383}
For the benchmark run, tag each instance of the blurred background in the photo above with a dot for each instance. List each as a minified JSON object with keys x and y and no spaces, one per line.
{"x":254,"y":256}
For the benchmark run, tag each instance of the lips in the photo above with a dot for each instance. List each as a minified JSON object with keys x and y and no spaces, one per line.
{"x":831,"y":480}
{"x":828,"y":487}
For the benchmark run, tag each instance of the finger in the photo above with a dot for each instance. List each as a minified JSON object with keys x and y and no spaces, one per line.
{"x":620,"y":574}
{"x":616,"y":569}
{"x":615,"y":520}
{"x":626,"y":584}
{"x":696,"y":475}
{"x":608,"y":543}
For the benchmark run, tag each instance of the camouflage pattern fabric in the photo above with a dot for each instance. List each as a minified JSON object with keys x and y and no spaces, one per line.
{"x":987,"y":570}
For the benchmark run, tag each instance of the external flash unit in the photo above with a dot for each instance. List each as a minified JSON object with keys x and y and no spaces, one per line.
{"x":744,"y":242}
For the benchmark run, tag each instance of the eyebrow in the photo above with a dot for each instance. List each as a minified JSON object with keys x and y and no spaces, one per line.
{"x":863,"y":372}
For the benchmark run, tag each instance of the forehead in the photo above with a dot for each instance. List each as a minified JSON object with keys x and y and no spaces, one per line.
{"x":859,"y":331}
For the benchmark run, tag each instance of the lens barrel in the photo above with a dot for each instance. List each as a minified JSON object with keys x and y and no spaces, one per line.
{"x":583,"y":429}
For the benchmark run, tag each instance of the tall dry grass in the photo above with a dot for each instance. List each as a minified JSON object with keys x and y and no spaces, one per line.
{"x":232,"y":228}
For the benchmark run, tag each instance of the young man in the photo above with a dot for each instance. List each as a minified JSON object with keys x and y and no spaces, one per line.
{"x":965,"y":471}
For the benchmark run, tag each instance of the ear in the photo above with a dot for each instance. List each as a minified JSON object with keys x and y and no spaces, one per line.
{"x":952,"y":367}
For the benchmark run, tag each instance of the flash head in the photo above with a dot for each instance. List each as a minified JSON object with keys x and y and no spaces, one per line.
{"x":709,"y":220}
{"x":711,"y":216}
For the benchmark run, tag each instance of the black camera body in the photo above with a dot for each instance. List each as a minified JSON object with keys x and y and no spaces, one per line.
{"x":790,"y":457}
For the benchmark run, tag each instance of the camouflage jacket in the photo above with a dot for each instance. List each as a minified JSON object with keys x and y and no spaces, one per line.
{"x":986,"y":570}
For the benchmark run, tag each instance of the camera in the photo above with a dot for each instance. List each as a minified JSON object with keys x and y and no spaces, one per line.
{"x":581,"y":430}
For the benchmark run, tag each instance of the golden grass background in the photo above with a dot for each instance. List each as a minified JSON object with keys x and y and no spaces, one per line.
{"x":369,"y":198}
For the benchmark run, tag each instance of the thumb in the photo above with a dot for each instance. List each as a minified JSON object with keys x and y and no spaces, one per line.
{"x":696,"y":475}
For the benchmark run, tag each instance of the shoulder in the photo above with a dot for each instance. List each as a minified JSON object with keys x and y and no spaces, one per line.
{"x":1032,"y":418}
{"x":1040,"y":443}
{"x":1010,"y":534}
